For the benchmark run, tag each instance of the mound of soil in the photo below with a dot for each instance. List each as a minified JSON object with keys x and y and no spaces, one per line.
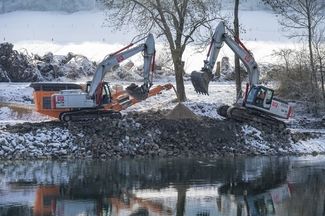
{"x":181,"y":111}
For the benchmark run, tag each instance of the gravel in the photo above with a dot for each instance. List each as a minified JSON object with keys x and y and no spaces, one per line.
{"x":148,"y":134}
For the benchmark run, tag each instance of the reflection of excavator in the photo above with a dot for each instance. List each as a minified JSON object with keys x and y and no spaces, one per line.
{"x":138,"y":206}
{"x":54,"y":200}
{"x":45,"y":200}
{"x":259,"y":104}
{"x":268,"y":202}
{"x":69,"y":102}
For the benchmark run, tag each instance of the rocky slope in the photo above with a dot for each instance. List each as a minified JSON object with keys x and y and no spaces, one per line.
{"x":148,"y":134}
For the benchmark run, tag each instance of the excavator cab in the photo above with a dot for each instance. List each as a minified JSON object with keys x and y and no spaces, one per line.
{"x":259,"y":97}
{"x":103,"y":94}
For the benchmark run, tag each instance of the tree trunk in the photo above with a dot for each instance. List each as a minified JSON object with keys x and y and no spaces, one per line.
{"x":237,"y":64}
{"x":322,"y":76}
{"x":311,"y":58}
{"x":181,"y":199}
{"x":179,"y":72}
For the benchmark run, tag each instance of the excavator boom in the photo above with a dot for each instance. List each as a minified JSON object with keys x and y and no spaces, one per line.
{"x":113,"y":59}
{"x":201,"y":79}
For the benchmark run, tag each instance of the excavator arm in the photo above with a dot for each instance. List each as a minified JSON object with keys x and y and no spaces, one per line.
{"x":201,"y":79}
{"x":113,"y":59}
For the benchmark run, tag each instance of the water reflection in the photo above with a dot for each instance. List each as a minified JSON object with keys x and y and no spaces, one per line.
{"x":253,"y":186}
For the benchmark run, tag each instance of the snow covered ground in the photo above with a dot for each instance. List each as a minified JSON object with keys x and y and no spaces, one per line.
{"x":85,"y":33}
{"x":220,"y":93}
{"x":19,"y":97}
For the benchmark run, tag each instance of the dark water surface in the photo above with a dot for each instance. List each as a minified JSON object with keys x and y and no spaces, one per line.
{"x":247,"y":186}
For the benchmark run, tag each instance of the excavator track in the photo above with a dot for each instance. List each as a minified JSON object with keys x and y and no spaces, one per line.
{"x":88,"y":114}
{"x":250,"y":116}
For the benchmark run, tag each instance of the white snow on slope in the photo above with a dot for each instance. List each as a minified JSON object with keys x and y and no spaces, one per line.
{"x":16,"y":104}
{"x":44,"y":143}
{"x":253,"y":139}
{"x":15,"y":92}
{"x":205,"y":105}
{"x":310,"y":146}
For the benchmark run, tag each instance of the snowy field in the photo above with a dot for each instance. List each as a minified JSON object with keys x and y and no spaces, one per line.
{"x":19,"y":96}
{"x":85,"y":33}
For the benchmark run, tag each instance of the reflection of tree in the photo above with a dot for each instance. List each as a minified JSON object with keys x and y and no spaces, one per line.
{"x":181,"y":198}
{"x":16,"y":210}
{"x":252,"y":192}
{"x":273,"y":174}
{"x":308,"y":192}
{"x":115,"y":180}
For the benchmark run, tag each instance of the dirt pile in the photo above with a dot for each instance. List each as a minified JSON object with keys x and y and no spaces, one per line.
{"x":181,"y":111}
{"x":15,"y":66}
{"x":20,"y":67}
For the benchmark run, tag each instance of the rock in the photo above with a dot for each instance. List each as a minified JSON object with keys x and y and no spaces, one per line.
{"x":54,"y":145}
{"x":37,"y":145}
{"x":6,"y":148}
{"x":3,"y":142}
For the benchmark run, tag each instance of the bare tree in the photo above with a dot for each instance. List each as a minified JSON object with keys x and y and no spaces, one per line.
{"x":177,"y":20}
{"x":319,"y":46}
{"x":302,"y":17}
{"x":285,"y":54}
{"x":237,"y":64}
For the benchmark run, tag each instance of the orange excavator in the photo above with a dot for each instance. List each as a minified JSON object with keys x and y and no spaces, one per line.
{"x":73,"y":102}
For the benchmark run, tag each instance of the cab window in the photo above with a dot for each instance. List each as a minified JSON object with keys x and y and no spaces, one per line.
{"x":269,"y":96}
{"x":251,"y":95}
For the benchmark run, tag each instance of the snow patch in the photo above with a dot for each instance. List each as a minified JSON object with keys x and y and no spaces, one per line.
{"x":253,"y":138}
{"x":310,"y":146}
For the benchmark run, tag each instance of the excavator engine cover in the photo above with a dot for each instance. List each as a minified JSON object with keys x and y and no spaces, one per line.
{"x":138,"y":92}
{"x":200,"y":81}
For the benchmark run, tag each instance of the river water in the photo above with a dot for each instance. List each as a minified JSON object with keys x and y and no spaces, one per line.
{"x":237,"y":186}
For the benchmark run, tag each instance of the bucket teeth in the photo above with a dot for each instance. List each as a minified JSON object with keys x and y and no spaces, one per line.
{"x":138,"y":92}
{"x":200,"y":81}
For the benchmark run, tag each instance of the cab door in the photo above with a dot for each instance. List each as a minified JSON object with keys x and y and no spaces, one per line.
{"x":260,"y":97}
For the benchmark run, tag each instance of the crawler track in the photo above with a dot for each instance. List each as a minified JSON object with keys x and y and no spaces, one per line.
{"x":250,"y":116}
{"x":83,"y":115}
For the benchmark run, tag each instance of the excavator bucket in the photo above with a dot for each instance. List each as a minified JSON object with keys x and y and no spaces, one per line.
{"x":200,"y":81}
{"x":138,"y":92}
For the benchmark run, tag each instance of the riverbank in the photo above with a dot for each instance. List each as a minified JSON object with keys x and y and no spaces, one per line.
{"x":149,"y":134}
